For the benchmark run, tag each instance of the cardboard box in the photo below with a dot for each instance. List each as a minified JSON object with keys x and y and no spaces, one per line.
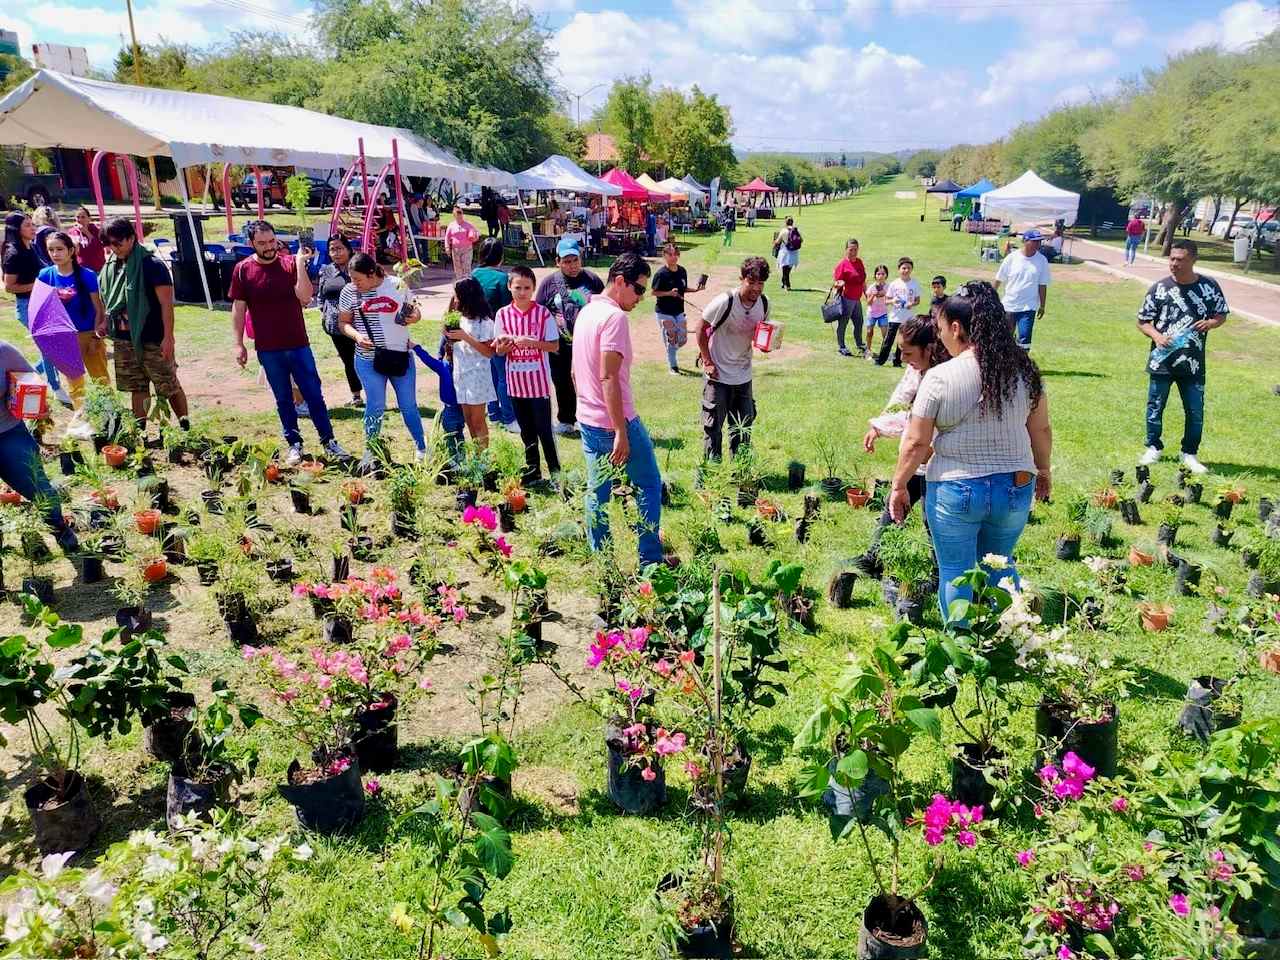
{"x":28,"y":395}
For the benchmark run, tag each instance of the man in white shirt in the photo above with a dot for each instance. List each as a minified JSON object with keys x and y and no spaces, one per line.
{"x":724,"y":340}
{"x":1025,"y":276}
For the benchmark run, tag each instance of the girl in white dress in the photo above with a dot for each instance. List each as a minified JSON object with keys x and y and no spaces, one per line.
{"x":472,"y":346}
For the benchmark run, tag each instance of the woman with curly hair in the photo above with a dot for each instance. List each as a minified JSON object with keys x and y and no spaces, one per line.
{"x":985,"y":416}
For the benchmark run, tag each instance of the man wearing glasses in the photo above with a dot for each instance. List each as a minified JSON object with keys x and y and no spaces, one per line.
{"x":614,"y":439}
{"x":724,"y":340}
{"x":137,"y":294}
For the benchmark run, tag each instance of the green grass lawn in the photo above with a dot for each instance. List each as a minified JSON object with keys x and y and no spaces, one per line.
{"x":583,"y":877}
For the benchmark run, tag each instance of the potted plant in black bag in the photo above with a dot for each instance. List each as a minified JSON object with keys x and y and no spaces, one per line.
{"x":24,"y":528}
{"x":827,"y":452}
{"x":854,"y":741}
{"x":201,"y":777}
{"x":907,"y":557}
{"x":239,"y":596}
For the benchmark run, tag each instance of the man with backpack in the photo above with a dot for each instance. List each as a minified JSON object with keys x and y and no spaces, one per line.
{"x":724,"y":341}
{"x":786,"y":247}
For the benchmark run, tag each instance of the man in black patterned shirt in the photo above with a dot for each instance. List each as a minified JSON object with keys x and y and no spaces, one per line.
{"x":1176,"y":315}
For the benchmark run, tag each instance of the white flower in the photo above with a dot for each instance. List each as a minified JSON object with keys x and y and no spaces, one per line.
{"x":270,"y":849}
{"x":145,"y":906}
{"x":995,"y":561}
{"x":156,"y":866}
{"x":149,"y":936}
{"x":199,"y":847}
{"x":97,"y":889}
{"x":303,"y":851}
{"x":17,"y":919}
{"x":52,"y":865}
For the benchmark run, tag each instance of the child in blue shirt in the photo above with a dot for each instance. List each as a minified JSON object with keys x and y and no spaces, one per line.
{"x":451,"y":414}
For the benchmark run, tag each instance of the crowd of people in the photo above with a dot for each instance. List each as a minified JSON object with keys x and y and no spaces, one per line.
{"x":970,"y":409}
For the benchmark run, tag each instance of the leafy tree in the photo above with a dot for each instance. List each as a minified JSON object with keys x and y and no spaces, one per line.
{"x":13,"y":71}
{"x":628,"y":117}
{"x":1051,"y":146}
{"x":923,"y":163}
{"x":691,"y":134}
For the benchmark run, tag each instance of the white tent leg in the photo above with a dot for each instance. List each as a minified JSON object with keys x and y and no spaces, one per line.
{"x":191,"y":225}
{"x":532,"y":236}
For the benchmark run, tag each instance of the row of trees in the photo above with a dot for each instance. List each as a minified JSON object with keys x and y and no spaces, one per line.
{"x":1207,"y":123}
{"x":472,"y":76}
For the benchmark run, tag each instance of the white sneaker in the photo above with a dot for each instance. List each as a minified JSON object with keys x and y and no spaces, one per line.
{"x":64,"y":398}
{"x":1149,"y":456}
{"x":334,"y":449}
{"x":419,"y":456}
{"x":1191,"y":463}
{"x":302,"y":409}
{"x":294,"y":456}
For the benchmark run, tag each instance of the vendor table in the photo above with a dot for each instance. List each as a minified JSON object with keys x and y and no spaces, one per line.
{"x":982,"y":226}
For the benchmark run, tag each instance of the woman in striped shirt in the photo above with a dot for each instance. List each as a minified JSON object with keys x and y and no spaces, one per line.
{"x":526,"y":333}
{"x":373,"y":310}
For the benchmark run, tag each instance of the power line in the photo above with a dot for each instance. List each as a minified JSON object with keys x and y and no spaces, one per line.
{"x":267,"y":13}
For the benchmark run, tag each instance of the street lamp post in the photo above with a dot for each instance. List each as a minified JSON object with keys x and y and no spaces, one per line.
{"x":578,"y":97}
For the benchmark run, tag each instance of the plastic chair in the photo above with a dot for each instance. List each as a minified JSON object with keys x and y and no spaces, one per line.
{"x":241,"y":250}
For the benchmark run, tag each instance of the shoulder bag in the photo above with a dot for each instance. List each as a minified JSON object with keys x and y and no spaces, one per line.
{"x":389,"y":363}
{"x":833,"y":306}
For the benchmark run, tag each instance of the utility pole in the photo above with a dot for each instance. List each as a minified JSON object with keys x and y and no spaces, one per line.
{"x":137,"y":76}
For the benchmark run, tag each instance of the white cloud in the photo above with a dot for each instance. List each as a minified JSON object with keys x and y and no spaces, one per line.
{"x":861,"y":8}
{"x":550,"y":6}
{"x":1236,"y":27}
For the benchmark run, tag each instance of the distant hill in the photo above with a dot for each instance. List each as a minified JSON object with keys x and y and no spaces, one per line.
{"x":854,"y":158}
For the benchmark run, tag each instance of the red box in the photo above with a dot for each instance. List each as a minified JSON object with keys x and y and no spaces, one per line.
{"x":28,"y":395}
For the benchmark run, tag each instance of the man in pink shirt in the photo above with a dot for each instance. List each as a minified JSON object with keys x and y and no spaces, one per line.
{"x":612,"y":434}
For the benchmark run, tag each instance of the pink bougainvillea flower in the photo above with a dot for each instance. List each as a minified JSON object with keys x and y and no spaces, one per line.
{"x":687,"y":657}
{"x":1120,"y":804}
{"x":646,"y":589}
{"x":648,"y":774}
{"x":301,"y":589}
{"x":1056,"y":920}
{"x":1178,"y":904}
{"x":663,"y":668}
{"x":1135,"y":872}
{"x":1064,"y":953}
{"x":1070,"y":788}
{"x":636,"y":641}
{"x":504,"y":548}
{"x":1073,"y":766}
{"x":966,"y":838}
{"x":424,"y":683}
{"x":667,"y":744}
{"x":373,"y":787}
{"x":693,"y":770}
{"x":338,"y":765}
{"x":1048,"y":773}
{"x":288,"y":696}
{"x":1025,"y":857}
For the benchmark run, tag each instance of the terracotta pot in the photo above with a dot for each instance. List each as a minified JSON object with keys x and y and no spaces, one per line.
{"x":10,"y":497}
{"x":1154,"y":618}
{"x":1106,"y":498}
{"x":313,"y":467}
{"x":1139,"y":559}
{"x":354,"y":491}
{"x":1235,"y":496}
{"x":272,"y":473}
{"x":115,"y":455}
{"x":156,"y":570}
{"x":1269,"y":660}
{"x":147,"y":521}
{"x":767,"y":509}
{"x":857,"y":497}
{"x":517,"y":499}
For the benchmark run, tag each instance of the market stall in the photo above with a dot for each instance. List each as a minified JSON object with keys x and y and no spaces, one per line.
{"x":625,"y":230}
{"x":966,"y":206}
{"x":947,"y":188}
{"x":51,"y":109}
{"x":757,"y":190}
{"x":1032,"y":201}
{"x":560,"y":175}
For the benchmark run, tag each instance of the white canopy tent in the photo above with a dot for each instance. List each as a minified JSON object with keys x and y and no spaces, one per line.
{"x":561,"y":173}
{"x":52,"y":109}
{"x":1031,"y":200}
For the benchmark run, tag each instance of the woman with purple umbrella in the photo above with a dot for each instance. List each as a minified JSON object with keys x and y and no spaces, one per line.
{"x":21,"y":266}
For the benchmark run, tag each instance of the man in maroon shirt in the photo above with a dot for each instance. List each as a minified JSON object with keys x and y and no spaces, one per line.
{"x":268,"y":292}
{"x":1134,"y":231}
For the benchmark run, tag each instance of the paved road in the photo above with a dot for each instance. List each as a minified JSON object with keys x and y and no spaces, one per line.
{"x":1252,"y":299}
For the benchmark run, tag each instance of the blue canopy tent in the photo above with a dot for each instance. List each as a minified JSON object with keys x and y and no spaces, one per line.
{"x":965,"y":201}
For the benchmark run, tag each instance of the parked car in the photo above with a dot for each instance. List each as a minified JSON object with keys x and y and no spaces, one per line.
{"x":245,"y":194}
{"x":1242,"y":225}
{"x":34,"y":189}
{"x":1268,"y":233}
{"x":322,"y":193}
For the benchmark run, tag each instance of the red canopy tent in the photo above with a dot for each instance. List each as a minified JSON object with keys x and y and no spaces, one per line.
{"x":632,"y":189}
{"x":757,"y":186}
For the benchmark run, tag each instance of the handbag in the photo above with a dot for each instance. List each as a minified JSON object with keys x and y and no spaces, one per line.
{"x":389,"y":363}
{"x":832,"y":307}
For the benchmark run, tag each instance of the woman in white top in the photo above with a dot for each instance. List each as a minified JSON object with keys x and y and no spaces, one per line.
{"x":472,"y":345}
{"x":986,"y":417}
{"x":374,"y":311}
{"x":922,"y":349}
{"x":787,"y":250}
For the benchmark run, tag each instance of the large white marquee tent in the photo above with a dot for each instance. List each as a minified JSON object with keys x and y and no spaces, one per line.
{"x":561,"y":173}
{"x":1030,"y":199}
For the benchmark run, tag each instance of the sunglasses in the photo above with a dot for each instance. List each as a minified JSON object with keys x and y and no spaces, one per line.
{"x":639,"y":288}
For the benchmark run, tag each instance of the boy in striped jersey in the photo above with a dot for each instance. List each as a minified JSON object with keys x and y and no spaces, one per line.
{"x":525,"y":334}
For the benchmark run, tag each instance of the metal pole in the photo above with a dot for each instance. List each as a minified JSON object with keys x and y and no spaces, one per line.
{"x":532,"y":234}
{"x":137,"y":77}
{"x":191,"y":225}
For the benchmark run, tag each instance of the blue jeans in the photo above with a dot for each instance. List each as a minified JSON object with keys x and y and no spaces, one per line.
{"x":500,"y":410}
{"x":21,"y":469}
{"x":969,"y":519}
{"x":43,"y":367}
{"x":298,"y":365}
{"x":375,"y":400}
{"x":641,"y":470}
{"x":453,"y":423}
{"x":681,"y":334}
{"x":1023,"y":322}
{"x":1131,"y":248}
{"x":1192,"y":393}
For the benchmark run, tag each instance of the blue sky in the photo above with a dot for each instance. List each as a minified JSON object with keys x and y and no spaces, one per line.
{"x":798,"y":74}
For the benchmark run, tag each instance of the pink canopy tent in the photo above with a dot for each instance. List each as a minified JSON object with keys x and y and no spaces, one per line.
{"x":631,"y":188}
{"x":757,"y":186}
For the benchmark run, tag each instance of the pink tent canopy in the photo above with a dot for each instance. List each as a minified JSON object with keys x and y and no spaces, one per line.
{"x":632,"y":189}
{"x":757,"y":186}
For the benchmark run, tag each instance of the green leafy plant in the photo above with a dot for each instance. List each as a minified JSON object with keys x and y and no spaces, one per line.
{"x":907,"y":557}
{"x":208,"y":753}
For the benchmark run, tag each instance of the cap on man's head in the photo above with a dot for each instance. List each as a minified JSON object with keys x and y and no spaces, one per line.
{"x":568,"y":247}
{"x":1032,"y":234}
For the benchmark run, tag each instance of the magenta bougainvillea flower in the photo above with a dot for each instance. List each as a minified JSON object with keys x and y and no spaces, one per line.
{"x":1178,"y":904}
{"x":483,"y":515}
